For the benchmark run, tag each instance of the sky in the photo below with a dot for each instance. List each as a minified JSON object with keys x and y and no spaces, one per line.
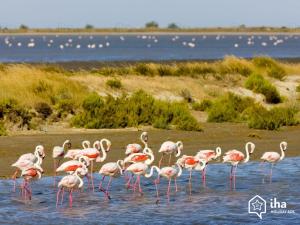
{"x":135,"y":13}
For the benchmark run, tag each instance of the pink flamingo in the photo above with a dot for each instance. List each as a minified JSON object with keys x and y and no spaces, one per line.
{"x":136,"y":148}
{"x":72,"y":165}
{"x":169,"y":148}
{"x":71,"y":182}
{"x":29,"y":174}
{"x":234,"y":157}
{"x":146,"y":157}
{"x":138,"y":169}
{"x":190,"y":163}
{"x":169,"y":173}
{"x":58,"y":153}
{"x":208,"y":155}
{"x":72,"y":153}
{"x":94,"y":154}
{"x":27,"y":160}
{"x":113,"y":170}
{"x":274,"y":157}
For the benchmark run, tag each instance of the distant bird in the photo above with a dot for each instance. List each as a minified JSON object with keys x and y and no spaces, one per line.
{"x":208,"y":155}
{"x":58,"y":153}
{"x":234,"y":157}
{"x":169,"y":173}
{"x":169,"y":148}
{"x":113,"y":170}
{"x":274,"y":157}
{"x":71,"y":182}
{"x":27,"y":160}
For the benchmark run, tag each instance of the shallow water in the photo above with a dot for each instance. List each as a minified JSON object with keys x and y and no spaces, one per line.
{"x":52,"y":48}
{"x":216,"y":204}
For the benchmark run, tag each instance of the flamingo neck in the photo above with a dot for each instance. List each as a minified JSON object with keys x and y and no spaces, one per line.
{"x":179,"y":147}
{"x":247,"y":153}
{"x":152,"y":170}
{"x":79,"y":178}
{"x":150,"y":161}
{"x":282,"y":148}
{"x":179,"y":170}
{"x":119,"y":163}
{"x":104,"y":155}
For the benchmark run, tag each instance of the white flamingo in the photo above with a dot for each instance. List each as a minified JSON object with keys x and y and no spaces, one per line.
{"x":169,"y":148}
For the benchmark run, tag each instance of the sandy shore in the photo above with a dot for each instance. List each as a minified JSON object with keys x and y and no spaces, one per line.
{"x":225,"y":135}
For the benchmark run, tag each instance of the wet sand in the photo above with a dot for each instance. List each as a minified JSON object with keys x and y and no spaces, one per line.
{"x":225,"y":135}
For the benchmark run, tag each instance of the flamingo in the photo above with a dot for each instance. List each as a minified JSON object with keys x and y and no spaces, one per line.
{"x":71,"y":182}
{"x":169,"y":173}
{"x":29,"y":174}
{"x":190,"y":163}
{"x":170,"y":147}
{"x":24,"y":161}
{"x":58,"y":153}
{"x":136,"y":148}
{"x":72,"y":153}
{"x":274,"y":157}
{"x":94,"y":154}
{"x":146,"y":157}
{"x":113,"y":170}
{"x":234,"y":157}
{"x":72,"y":165}
{"x":208,"y":155}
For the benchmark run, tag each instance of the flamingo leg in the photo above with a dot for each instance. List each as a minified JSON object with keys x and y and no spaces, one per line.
{"x":128,"y":182}
{"x":190,"y":182}
{"x":100,"y":184}
{"x":157,"y":193}
{"x":161,"y":159}
{"x":70,"y":198}
{"x":234,"y":177}
{"x":204,"y":176}
{"x":54,"y":170}
{"x":230,"y":177}
{"x":106,"y":191}
{"x":57,"y":196}
{"x":271,"y":172}
{"x":175,"y":182}
{"x":14,"y":176}
{"x":140,"y":189}
{"x":92,"y":179}
{"x":135,"y":184}
{"x":62,"y":196}
{"x":168,"y":191}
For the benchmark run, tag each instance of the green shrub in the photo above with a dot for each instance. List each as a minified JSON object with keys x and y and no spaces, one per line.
{"x":233,"y":65}
{"x":228,"y":108}
{"x":43,"y":109}
{"x":273,"y":68}
{"x":165,"y":70}
{"x":2,"y":129}
{"x":41,"y":87}
{"x":11,"y":111}
{"x":202,"y":106}
{"x":114,"y":83}
{"x":131,"y":111}
{"x":65,"y":107}
{"x":144,"y":69}
{"x":202,"y":69}
{"x":259,"y":117}
{"x":298,"y":88}
{"x":259,"y":84}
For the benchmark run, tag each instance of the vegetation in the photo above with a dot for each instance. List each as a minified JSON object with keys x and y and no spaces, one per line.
{"x":89,"y":27}
{"x":23,"y":27}
{"x":260,"y":118}
{"x":114,"y":83}
{"x":272,"y":67}
{"x":2,"y":129}
{"x":202,"y":106}
{"x":173,"y":26}
{"x":152,"y":24}
{"x":259,"y":84}
{"x":132,"y":111}
{"x":298,"y":88}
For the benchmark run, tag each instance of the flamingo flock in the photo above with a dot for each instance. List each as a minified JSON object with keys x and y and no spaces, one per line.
{"x":138,"y":162}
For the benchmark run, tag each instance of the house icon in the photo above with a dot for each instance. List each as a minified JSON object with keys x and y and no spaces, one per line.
{"x":257,"y":205}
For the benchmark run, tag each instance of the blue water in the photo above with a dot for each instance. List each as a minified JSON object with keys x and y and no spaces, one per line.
{"x":51,"y":48}
{"x":216,"y":204}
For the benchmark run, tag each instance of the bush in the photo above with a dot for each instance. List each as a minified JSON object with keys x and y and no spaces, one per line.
{"x":202,"y":106}
{"x":272,"y":67}
{"x":228,"y":108}
{"x":259,"y":84}
{"x":2,"y":129}
{"x":43,"y":109}
{"x":259,"y":117}
{"x":144,"y":69}
{"x":138,"y":109}
{"x":233,"y":65}
{"x":165,"y":70}
{"x":64,"y":107}
{"x":298,"y":88}
{"x":114,"y":83}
